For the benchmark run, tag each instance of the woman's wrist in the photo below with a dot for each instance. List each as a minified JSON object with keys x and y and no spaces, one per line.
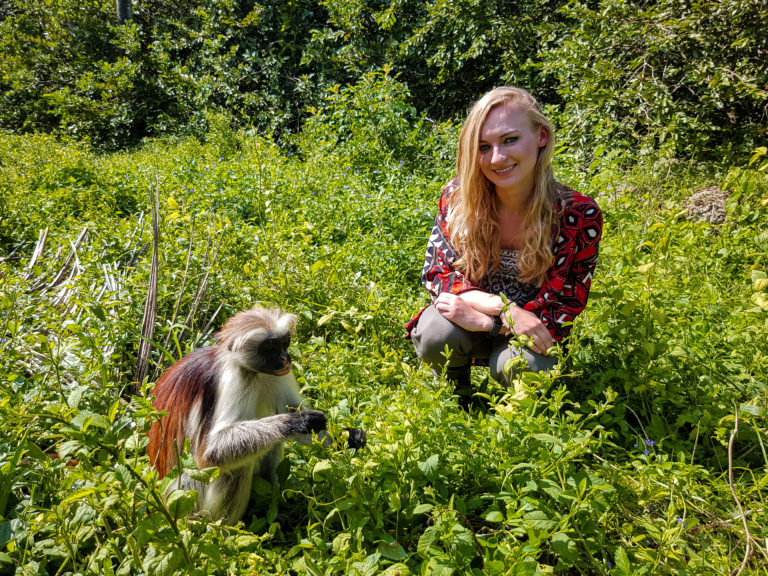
{"x":488,"y":304}
{"x":484,"y":324}
{"x":497,"y":327}
{"x":508,"y":317}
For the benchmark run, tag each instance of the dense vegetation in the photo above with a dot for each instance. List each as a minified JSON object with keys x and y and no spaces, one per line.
{"x":685,"y":77}
{"x":296,"y":151}
{"x":616,"y":463}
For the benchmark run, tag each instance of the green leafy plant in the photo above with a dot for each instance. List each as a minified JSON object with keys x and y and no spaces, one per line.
{"x":618,"y":461}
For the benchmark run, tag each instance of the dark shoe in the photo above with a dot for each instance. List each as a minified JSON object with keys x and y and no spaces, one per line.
{"x":462,"y":386}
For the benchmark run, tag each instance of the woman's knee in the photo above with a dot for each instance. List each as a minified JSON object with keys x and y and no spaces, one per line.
{"x":525,"y":360}
{"x":433,"y":333}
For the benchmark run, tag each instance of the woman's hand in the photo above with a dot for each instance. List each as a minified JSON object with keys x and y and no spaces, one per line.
{"x":461,"y":313}
{"x":521,"y":321}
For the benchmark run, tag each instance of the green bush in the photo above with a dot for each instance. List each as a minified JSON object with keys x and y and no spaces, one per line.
{"x":685,"y":78}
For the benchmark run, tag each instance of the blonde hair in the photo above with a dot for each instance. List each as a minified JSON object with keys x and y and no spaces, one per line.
{"x":473,"y":213}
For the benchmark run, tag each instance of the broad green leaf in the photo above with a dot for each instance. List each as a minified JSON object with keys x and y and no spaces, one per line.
{"x":322,"y":470}
{"x":6,"y":533}
{"x":423,"y":509}
{"x":440,"y":566}
{"x":564,"y":546}
{"x":494,"y":516}
{"x":206,"y":475}
{"x":84,"y":419}
{"x":623,"y":566}
{"x":539,"y":520}
{"x":180,"y":502}
{"x":528,"y":567}
{"x":162,"y":563}
{"x":645,"y":268}
{"x":325,"y":318}
{"x":80,"y":494}
{"x":751,"y":409}
{"x":547,"y":438}
{"x":392,"y":550}
{"x":429,"y":466}
{"x":398,"y":569}
{"x":426,"y":540}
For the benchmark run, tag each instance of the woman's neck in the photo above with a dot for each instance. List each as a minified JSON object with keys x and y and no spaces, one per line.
{"x":511,"y":227}
{"x":513,"y":200}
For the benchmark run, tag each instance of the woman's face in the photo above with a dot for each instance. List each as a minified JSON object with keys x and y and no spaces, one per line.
{"x":508,"y":149}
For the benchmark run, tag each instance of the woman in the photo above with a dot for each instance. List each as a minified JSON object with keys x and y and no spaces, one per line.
{"x":505,"y":226}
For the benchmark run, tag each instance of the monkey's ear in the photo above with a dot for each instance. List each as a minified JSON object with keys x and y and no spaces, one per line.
{"x":292,"y":322}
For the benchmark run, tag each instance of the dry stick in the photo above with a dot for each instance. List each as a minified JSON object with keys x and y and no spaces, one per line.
{"x":109,"y":279}
{"x":139,"y":225}
{"x":186,"y":271}
{"x":72,"y":255}
{"x":748,"y":549}
{"x":148,"y":324}
{"x":202,"y":287}
{"x":181,"y":293}
{"x":39,"y":247}
{"x":183,"y":285}
{"x":74,"y":270}
{"x":135,"y":254}
{"x":210,"y":322}
{"x":167,"y":341}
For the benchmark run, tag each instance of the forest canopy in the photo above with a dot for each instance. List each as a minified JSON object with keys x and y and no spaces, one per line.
{"x":686,"y":77}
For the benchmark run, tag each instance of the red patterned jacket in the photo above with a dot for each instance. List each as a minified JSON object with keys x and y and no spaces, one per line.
{"x":563,"y":295}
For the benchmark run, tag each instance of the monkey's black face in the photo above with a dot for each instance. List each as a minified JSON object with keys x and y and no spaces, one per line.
{"x":274,"y":357}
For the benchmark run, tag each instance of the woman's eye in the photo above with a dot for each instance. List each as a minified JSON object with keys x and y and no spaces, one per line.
{"x":484,"y":147}
{"x":510,"y":140}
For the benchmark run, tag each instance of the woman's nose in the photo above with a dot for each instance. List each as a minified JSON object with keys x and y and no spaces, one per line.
{"x":497,"y":155}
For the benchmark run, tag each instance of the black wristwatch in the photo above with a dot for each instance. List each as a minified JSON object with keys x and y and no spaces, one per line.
{"x":495,"y":327}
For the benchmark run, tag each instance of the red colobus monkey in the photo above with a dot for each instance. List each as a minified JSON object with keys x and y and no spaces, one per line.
{"x":233,"y":402}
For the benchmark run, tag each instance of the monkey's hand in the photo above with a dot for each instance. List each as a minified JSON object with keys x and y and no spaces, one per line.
{"x":357,"y":438}
{"x":306,"y":422}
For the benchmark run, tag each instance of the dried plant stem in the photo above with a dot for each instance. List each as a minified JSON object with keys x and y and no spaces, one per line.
{"x":72,"y":256}
{"x":201,"y":288}
{"x":39,"y":247}
{"x":183,"y":284}
{"x":148,"y":324}
{"x":66,"y":267}
{"x":747,"y":534}
{"x":210,"y":322}
{"x":136,"y":230}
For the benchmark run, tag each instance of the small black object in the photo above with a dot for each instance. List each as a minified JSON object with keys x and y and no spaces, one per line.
{"x":357,"y":438}
{"x":495,"y":327}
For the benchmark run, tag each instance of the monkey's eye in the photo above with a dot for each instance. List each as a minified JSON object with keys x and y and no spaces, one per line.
{"x":268,"y":347}
{"x":274,"y":346}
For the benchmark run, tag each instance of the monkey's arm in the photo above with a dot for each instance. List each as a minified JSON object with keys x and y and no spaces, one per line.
{"x":233,"y":445}
{"x":291,"y":398}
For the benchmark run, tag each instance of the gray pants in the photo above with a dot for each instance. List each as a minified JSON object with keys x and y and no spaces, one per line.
{"x":433,"y":332}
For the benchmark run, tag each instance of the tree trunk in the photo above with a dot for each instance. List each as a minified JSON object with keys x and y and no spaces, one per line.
{"x":124,"y":11}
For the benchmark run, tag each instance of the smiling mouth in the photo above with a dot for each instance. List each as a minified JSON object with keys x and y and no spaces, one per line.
{"x":505,"y":170}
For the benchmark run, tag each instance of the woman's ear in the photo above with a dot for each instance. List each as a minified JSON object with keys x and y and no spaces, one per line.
{"x":543,"y":137}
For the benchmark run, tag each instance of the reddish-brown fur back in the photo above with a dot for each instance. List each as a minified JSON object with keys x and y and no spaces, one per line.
{"x":176,"y":392}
